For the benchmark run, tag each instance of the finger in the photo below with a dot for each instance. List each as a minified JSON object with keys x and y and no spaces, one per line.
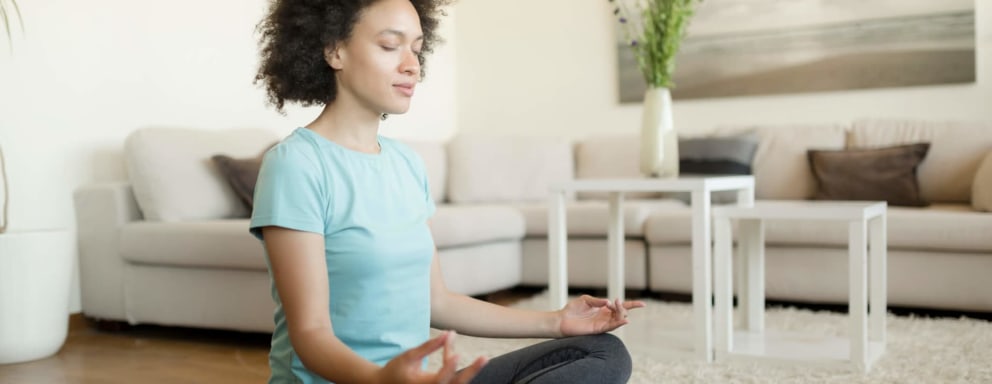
{"x":449,"y":344}
{"x":634,"y":304}
{"x":623,"y":309}
{"x":620,"y":312}
{"x":469,"y":372}
{"x":427,"y":347}
{"x":448,"y":369}
{"x":596,"y":302}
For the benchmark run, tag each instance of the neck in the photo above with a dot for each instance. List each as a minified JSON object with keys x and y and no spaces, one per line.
{"x":349,"y":124}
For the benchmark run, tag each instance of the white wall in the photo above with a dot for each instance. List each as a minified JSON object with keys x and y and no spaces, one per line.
{"x":549,"y":68}
{"x":85,"y":74}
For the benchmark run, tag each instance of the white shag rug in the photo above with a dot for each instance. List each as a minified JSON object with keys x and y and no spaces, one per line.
{"x":918,"y":350}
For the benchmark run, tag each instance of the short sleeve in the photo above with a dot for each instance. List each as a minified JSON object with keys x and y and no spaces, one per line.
{"x":288,"y":193}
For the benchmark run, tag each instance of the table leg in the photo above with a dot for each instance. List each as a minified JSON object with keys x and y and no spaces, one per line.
{"x":615,"y":240}
{"x":702,"y":291}
{"x":858,"y":304}
{"x":752,"y":247}
{"x":877,"y":245}
{"x":557,"y":251}
{"x":723,"y":279}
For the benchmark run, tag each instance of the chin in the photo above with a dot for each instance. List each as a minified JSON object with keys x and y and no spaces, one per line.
{"x":397,"y":110}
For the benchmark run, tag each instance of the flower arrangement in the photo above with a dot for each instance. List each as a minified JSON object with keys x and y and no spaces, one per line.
{"x":654,"y":30}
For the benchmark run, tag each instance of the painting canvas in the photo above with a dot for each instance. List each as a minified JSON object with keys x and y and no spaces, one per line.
{"x":759,"y":47}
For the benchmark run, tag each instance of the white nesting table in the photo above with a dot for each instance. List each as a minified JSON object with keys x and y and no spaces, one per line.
{"x":700,"y":189}
{"x":867,"y":237}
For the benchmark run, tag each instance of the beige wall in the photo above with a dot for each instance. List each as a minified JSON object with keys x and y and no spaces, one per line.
{"x":87,"y":73}
{"x":548,"y":68}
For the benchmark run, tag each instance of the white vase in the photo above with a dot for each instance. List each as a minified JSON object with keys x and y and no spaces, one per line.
{"x":35,"y":288}
{"x":659,"y":140}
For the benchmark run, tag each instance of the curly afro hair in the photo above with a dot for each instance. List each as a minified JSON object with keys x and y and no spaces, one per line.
{"x":295,"y":33}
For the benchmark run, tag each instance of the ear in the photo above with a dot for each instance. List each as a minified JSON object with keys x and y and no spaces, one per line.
{"x":334,"y":56}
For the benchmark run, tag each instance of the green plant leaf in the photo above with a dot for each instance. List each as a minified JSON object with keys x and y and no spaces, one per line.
{"x":663,"y":25}
{"x":6,"y":19}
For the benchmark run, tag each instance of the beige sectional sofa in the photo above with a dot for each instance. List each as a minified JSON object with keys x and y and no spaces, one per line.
{"x":170,"y":245}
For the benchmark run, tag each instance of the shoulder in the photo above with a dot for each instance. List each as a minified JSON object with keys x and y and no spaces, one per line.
{"x":294,"y":151}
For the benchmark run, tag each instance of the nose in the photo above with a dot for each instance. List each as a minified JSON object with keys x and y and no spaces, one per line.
{"x":410,"y":64}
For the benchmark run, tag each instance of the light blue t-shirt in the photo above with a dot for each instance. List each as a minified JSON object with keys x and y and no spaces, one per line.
{"x":372,"y":210}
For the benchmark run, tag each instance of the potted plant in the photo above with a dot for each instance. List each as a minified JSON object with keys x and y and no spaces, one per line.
{"x":654,"y":30}
{"x":35,"y":270}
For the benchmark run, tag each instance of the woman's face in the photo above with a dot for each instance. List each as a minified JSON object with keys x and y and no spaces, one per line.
{"x":378,"y":65}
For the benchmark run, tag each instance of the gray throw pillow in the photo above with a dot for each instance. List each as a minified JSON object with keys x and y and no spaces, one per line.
{"x":719,"y":155}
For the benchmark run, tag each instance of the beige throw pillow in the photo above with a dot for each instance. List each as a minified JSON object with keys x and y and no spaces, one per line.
{"x":981,"y":188}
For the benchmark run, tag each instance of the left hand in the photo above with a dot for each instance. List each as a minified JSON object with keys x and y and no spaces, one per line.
{"x":588,"y":315}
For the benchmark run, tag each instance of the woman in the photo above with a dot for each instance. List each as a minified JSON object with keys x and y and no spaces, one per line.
{"x":344,"y":214}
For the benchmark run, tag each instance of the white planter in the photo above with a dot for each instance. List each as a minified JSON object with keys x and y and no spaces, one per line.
{"x":35,"y":277}
{"x":659,"y":140}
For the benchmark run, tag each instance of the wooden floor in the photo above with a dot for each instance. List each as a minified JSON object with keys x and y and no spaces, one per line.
{"x":158,"y":355}
{"x":152,"y":355}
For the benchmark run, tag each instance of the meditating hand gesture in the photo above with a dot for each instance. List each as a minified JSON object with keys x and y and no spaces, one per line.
{"x":406,"y":368}
{"x":588,"y":315}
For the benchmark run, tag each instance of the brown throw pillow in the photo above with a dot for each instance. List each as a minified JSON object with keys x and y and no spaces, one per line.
{"x":241,"y":174}
{"x":875,"y":174}
{"x":981,"y":188}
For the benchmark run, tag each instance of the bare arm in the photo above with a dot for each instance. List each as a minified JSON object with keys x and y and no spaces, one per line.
{"x":582,"y":316}
{"x":474,"y":317}
{"x":299,"y":270}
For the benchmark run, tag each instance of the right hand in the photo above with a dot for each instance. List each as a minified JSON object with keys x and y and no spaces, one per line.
{"x":405,"y":368}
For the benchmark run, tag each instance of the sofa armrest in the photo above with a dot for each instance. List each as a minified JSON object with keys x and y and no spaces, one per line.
{"x":101,"y":210}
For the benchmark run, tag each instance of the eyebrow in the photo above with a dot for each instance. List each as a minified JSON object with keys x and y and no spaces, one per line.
{"x":399,"y":33}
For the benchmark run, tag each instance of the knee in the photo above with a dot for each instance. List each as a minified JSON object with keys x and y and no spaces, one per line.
{"x":613,"y":351}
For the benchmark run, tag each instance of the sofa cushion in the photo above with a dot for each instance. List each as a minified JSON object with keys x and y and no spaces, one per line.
{"x":669,"y":226}
{"x":489,"y":169}
{"x":943,"y":227}
{"x":173,"y":177}
{"x":610,"y":157}
{"x":869,"y":174}
{"x":436,"y":161}
{"x":781,"y":170}
{"x":981,"y":190}
{"x":956,"y":150}
{"x":208,"y":243}
{"x":591,"y":217}
{"x":461,"y":225}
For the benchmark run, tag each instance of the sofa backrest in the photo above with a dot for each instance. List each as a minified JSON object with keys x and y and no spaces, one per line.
{"x":436,"y":161}
{"x":174,"y":178}
{"x":956,"y":151}
{"x":781,"y":167}
{"x":484,"y":169}
{"x":609,"y":157}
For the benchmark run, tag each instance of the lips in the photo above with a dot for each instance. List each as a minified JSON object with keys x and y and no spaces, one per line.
{"x":405,"y":88}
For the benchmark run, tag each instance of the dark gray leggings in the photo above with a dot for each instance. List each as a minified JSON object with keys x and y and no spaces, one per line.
{"x":599,"y":359}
